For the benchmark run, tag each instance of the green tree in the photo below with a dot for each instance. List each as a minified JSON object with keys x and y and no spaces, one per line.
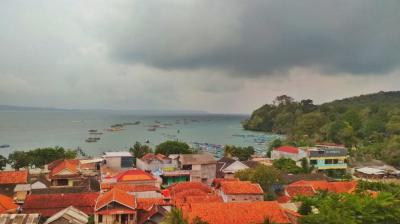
{"x":175,"y":216}
{"x":272,"y":145}
{"x":305,"y":166}
{"x":242,"y":153}
{"x":138,"y":150}
{"x":19,"y":159}
{"x":266,"y":176}
{"x":286,"y":165}
{"x":3,"y":162}
{"x":198,"y":220}
{"x":173,"y":147}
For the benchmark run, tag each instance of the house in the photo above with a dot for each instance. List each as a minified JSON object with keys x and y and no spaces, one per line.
{"x":328,"y":158}
{"x":9,"y":179}
{"x":289,"y":152}
{"x":242,"y":191}
{"x":237,"y":212}
{"x":49,"y":204}
{"x":154,"y":216}
{"x":39,"y":182}
{"x":69,"y":215}
{"x":170,"y":177}
{"x":227,"y":167}
{"x":64,"y":172}
{"x":19,"y":218}
{"x":7,"y":205}
{"x":21,"y":191}
{"x":377,"y":172}
{"x":118,"y":160}
{"x":202,"y":167}
{"x":133,"y":177}
{"x":155,"y":163}
{"x":115,"y":206}
{"x":310,"y":188}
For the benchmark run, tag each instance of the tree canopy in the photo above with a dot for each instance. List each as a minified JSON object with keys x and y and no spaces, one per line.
{"x":173,"y":147}
{"x":138,"y":150}
{"x":242,"y":153}
{"x":371,"y":123}
{"x":39,"y":157}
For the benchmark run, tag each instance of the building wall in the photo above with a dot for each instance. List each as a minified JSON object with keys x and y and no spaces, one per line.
{"x":113,"y":162}
{"x":153,"y":166}
{"x":112,"y":219}
{"x":322,"y":165}
{"x":278,"y":154}
{"x":203,"y":173}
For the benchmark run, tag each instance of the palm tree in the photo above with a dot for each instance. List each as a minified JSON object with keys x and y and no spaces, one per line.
{"x":175,"y":216}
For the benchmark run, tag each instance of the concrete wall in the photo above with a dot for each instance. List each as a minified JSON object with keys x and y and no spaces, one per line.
{"x":112,"y":219}
{"x":241,"y":197}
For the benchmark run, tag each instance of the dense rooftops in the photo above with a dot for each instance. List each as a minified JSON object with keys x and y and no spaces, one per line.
{"x":7,"y":205}
{"x":240,"y":187}
{"x":13,"y":177}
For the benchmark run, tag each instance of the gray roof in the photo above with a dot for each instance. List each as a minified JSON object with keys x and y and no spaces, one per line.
{"x":117,"y":154}
{"x":197,"y":159}
{"x":72,"y":214}
{"x":331,"y":152}
{"x":19,"y":218}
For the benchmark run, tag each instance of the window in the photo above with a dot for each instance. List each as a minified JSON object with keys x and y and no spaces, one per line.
{"x":329,"y":161}
{"x":126,"y":161}
{"x":313,"y":162}
{"x":100,"y":218}
{"x":131,"y":216}
{"x":335,"y":161}
{"x":187,"y":167}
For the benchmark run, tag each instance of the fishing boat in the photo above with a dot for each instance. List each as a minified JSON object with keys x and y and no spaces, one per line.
{"x":91,"y":140}
{"x":5,"y":146}
{"x":151,"y":129}
{"x":92,"y":130}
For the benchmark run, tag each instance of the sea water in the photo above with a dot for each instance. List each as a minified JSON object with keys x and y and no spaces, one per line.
{"x":24,"y":130}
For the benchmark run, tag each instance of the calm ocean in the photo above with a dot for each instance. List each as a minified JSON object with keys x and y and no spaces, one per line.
{"x":24,"y":130}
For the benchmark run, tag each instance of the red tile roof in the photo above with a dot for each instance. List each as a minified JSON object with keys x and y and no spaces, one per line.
{"x":148,"y":203}
{"x":336,"y":187}
{"x":134,"y":175}
{"x":183,"y":186}
{"x":118,"y":196}
{"x":13,"y":177}
{"x":152,"y":156}
{"x":217,"y":181}
{"x":237,"y":212}
{"x":70,"y":165}
{"x":128,"y":187}
{"x":288,"y":149}
{"x":49,"y":204}
{"x":7,"y":205}
{"x":294,"y":191}
{"x":240,"y":187}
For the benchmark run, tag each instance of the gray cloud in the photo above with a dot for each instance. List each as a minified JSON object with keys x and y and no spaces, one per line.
{"x":257,"y":36}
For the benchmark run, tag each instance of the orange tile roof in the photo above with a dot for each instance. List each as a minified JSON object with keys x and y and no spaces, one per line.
{"x":134,"y":175}
{"x":148,"y":203}
{"x":14,"y":177}
{"x":217,"y":181}
{"x":115,"y":195}
{"x":201,"y":198}
{"x":179,"y":187}
{"x":49,"y":204}
{"x":300,"y":190}
{"x":128,"y":187}
{"x":7,"y":205}
{"x":237,"y":212}
{"x":152,"y":156}
{"x":70,"y":165}
{"x":336,"y":187}
{"x":240,"y":187}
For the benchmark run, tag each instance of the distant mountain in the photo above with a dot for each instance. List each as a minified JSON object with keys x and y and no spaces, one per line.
{"x":139,"y":112}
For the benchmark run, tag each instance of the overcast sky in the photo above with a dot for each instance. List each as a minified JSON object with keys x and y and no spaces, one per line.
{"x":226,"y":56}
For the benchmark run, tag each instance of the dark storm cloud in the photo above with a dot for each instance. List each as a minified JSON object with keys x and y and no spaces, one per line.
{"x":258,"y":37}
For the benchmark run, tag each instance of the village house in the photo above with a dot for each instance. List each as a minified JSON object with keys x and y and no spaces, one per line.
{"x":64,"y":172}
{"x":310,"y":188}
{"x":19,"y":218}
{"x":10,"y":179}
{"x":49,"y":204}
{"x":328,"y":158}
{"x":20,"y":192}
{"x":118,"y":160}
{"x":243,"y":191}
{"x":155,"y":163}
{"x":132,"y":177}
{"x":227,"y":167}
{"x":202,"y":167}
{"x":115,"y":206}
{"x":288,"y":152}
{"x":69,"y":215}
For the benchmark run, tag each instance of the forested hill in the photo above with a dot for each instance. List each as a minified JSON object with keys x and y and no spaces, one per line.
{"x":369,"y":122}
